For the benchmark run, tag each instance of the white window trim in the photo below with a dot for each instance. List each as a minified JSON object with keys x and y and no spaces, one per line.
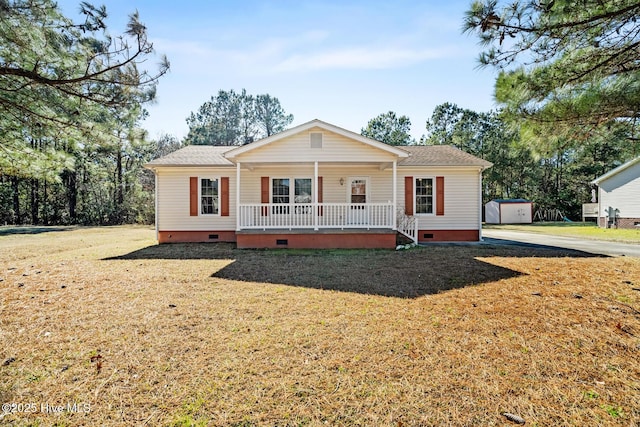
{"x":367,"y":179}
{"x":433,"y":195}
{"x":212,"y":178}
{"x":292,"y":189}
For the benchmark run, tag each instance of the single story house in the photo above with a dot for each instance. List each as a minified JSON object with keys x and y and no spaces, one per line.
{"x":619,"y":196}
{"x":508,"y":211}
{"x":318,"y":186}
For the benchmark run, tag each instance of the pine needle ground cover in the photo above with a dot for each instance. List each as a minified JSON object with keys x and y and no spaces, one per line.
{"x":100,"y":326}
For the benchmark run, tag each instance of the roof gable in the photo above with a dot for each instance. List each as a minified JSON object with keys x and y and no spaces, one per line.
{"x":616,"y":171}
{"x":398,"y":152}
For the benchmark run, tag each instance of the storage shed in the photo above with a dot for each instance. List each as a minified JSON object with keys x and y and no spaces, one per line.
{"x":508,"y":211}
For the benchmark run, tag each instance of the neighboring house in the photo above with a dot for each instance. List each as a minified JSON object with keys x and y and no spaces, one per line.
{"x":318,"y":186}
{"x":508,"y":211}
{"x":619,"y":196}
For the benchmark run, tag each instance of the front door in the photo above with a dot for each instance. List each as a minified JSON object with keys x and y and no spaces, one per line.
{"x":357,"y":196}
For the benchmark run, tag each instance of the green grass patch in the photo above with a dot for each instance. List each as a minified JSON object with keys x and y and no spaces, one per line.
{"x":585,"y":230}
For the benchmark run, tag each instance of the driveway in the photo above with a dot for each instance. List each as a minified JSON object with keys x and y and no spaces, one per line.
{"x":599,"y":247}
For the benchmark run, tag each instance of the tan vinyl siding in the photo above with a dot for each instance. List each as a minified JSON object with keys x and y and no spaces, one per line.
{"x":173,"y":200}
{"x":461,"y":192}
{"x":461,"y":197}
{"x":461,"y":189}
{"x":297,"y":148}
{"x":379,"y":191}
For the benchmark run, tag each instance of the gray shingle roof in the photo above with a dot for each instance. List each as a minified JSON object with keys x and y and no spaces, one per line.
{"x":420,"y":155}
{"x":440,"y":155}
{"x":195,"y":155}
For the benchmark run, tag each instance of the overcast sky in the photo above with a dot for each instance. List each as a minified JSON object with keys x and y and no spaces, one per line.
{"x":342,"y":61}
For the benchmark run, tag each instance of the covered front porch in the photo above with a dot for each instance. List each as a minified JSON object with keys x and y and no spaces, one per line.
{"x":339,"y":218}
{"x":323,"y":184}
{"x":320,"y":197}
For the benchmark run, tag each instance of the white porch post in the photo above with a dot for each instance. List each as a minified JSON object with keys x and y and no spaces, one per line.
{"x":315,"y":195}
{"x":395,"y":194}
{"x":238,"y":196}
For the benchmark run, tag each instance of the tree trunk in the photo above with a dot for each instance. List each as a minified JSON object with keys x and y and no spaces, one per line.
{"x":119,"y":192}
{"x":34,"y":201}
{"x":15,"y":185}
{"x":119,"y":201}
{"x":70,"y":181}
{"x":44,"y":203}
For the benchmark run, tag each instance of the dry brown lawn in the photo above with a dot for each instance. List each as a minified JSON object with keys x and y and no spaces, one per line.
{"x":132,"y":333}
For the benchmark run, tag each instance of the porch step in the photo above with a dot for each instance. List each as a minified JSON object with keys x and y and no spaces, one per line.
{"x":403,"y":239}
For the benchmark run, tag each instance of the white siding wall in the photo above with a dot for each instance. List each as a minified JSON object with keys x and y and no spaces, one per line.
{"x":492,"y":212}
{"x":173,"y":200}
{"x":297,"y":148}
{"x":622,"y":191}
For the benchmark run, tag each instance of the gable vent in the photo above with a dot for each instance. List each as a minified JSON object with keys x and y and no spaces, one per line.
{"x":316,"y":139}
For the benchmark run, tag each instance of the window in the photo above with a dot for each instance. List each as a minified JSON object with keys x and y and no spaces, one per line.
{"x":358,"y":190}
{"x":302,"y":190}
{"x":282,"y":193}
{"x":424,"y":195}
{"x":302,"y":194}
{"x":209,"y":199}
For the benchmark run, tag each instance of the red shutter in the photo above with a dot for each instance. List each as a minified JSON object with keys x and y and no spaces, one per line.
{"x":320,"y":195}
{"x":224,"y":196}
{"x":264,"y":194}
{"x":408,"y":195}
{"x":193,"y":196}
{"x":440,"y":195}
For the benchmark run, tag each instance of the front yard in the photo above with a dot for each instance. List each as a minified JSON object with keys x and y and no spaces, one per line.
{"x":115,"y":330}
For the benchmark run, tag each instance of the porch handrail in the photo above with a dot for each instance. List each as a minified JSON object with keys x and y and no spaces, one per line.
{"x":315,"y":215}
{"x":407,"y":225}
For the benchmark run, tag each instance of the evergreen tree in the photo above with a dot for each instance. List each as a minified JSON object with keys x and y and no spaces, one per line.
{"x":270,"y":116}
{"x":65,"y":88}
{"x":390,"y":129}
{"x":567,"y":67}
{"x":231,"y":118}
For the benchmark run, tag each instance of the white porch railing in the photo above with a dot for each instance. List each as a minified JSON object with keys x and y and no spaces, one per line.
{"x":407,"y":225}
{"x":323,"y":215}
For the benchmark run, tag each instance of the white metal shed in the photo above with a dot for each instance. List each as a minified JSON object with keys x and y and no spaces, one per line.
{"x":508,"y":211}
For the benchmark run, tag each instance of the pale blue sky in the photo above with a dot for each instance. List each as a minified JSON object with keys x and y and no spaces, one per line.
{"x":342,"y":61}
